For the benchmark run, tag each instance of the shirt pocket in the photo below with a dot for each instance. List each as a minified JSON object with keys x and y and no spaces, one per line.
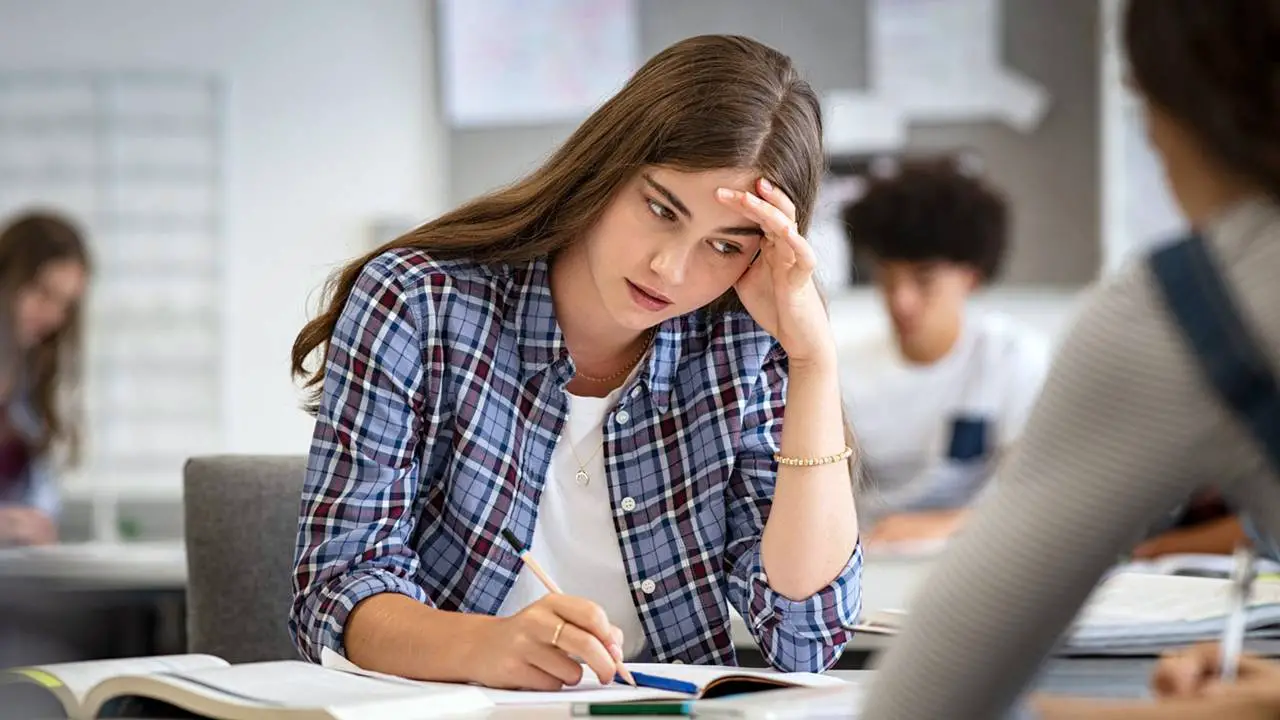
{"x":970,"y":438}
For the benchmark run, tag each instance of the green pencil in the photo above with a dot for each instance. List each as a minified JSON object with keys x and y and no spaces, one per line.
{"x":632,"y":708}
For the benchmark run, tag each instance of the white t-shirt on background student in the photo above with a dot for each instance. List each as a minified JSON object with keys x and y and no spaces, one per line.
{"x":930,"y":434}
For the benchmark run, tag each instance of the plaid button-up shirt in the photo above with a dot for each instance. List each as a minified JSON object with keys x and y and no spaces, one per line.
{"x":442,"y":401}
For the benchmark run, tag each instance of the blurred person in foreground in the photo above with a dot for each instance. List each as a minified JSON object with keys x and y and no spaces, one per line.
{"x":1165,"y":384}
{"x":44,"y":268}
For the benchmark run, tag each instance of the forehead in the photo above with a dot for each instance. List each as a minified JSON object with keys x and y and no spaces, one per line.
{"x":65,"y":275}
{"x":898,"y":266}
{"x":701,"y":184}
{"x":937,"y":266}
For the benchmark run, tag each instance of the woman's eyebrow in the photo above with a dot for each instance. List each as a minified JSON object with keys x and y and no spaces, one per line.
{"x":742,"y":230}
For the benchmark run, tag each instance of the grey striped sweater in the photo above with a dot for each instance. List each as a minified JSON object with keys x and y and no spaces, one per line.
{"x":1125,"y":429}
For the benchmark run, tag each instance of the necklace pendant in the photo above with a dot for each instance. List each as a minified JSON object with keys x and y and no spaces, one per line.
{"x":582,"y":478}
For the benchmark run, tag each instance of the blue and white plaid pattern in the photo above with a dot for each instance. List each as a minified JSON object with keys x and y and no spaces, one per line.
{"x":442,"y":402}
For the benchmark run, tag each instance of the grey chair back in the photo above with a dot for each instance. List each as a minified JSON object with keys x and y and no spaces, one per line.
{"x":241,"y":525}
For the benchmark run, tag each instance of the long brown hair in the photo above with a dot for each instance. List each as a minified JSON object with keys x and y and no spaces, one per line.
{"x":704,"y":103}
{"x":1213,"y":67}
{"x":50,"y":371}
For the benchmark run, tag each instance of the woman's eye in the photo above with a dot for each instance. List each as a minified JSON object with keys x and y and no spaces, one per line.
{"x":725,"y":248}
{"x":661,"y":210}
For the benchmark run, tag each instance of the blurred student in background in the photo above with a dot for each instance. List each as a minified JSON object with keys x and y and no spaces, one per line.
{"x":937,"y":399}
{"x":44,"y":266}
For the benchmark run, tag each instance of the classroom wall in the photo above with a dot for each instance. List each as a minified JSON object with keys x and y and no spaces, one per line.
{"x":1051,"y":175}
{"x":331,"y":125}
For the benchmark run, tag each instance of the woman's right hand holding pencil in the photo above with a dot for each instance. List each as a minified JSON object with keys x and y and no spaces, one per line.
{"x":538,"y":648}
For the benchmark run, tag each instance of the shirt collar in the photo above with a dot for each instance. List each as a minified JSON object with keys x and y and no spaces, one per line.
{"x":533,"y":314}
{"x":664,"y":360}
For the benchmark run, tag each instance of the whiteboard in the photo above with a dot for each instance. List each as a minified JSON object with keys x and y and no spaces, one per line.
{"x":942,"y":60}
{"x":523,"y":62}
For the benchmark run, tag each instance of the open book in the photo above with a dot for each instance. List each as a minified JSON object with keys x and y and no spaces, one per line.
{"x":805,"y":704}
{"x":1139,"y":609}
{"x":706,"y":682}
{"x":203,"y":686}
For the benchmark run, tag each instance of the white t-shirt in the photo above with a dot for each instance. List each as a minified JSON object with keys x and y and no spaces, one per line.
{"x":930,"y":433}
{"x":574,"y":538}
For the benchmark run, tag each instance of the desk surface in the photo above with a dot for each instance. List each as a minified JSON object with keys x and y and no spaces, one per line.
{"x":125,"y":566}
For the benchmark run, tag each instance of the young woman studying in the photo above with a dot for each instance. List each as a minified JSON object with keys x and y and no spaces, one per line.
{"x":622,"y":359}
{"x":1165,"y":385}
{"x":44,"y":267}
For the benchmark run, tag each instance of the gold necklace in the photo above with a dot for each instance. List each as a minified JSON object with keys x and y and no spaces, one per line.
{"x":581,"y":477}
{"x":609,"y":378}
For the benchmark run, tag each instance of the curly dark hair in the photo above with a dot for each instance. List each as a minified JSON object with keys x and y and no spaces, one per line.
{"x":1215,"y":67}
{"x":930,"y":210}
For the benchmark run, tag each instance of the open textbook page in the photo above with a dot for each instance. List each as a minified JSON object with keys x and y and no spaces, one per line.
{"x":287,"y":689}
{"x":589,"y":690}
{"x":208,"y":687}
{"x":71,"y":682}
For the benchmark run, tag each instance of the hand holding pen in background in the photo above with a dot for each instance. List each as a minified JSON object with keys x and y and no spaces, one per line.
{"x":1210,"y":668}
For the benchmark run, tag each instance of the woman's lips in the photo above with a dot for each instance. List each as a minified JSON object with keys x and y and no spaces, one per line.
{"x":647,"y":298}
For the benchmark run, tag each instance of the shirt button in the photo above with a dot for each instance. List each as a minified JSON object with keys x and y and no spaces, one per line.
{"x":648,"y":586}
{"x":623,"y":417}
{"x":628,"y":504}
{"x":635,"y":391}
{"x":677,"y":661}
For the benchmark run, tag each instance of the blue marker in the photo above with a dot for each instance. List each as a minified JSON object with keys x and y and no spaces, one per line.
{"x":661,"y":683}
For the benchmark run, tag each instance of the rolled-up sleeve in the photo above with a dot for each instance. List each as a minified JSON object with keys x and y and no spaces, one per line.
{"x":794,"y":635}
{"x":357,"y":514}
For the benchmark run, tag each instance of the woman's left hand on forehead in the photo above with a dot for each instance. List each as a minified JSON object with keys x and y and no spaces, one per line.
{"x":778,"y":289}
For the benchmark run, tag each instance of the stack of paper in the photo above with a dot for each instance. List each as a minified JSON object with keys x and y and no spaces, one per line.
{"x":1146,"y":610}
{"x":1196,"y":565}
{"x":1138,"y":613}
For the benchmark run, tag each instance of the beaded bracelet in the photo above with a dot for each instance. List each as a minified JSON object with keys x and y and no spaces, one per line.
{"x":810,"y":462}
